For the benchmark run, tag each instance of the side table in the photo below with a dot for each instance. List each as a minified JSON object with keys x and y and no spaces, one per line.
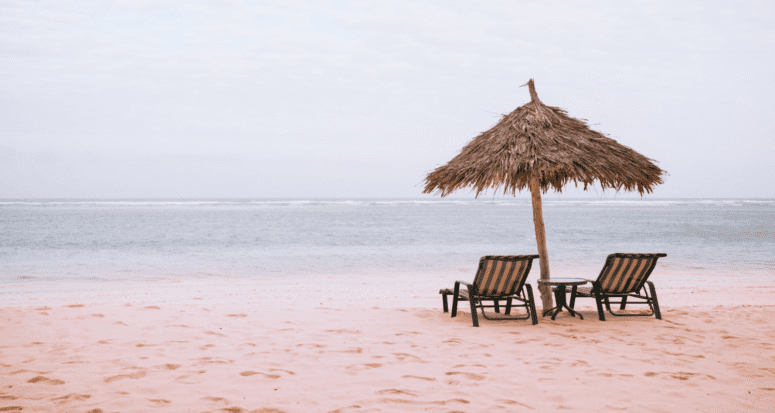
{"x":559,"y":294}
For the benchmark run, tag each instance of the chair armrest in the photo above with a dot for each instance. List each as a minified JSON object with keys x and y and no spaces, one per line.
{"x":471,"y":288}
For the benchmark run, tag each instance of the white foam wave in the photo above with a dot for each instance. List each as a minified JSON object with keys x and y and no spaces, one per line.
{"x":281,"y":203}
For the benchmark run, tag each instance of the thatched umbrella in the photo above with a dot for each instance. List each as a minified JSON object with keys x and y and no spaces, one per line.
{"x":541,"y":147}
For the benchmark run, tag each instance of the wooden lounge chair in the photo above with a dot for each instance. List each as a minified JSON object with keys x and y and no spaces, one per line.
{"x":498,"y":278}
{"x":623,"y":276}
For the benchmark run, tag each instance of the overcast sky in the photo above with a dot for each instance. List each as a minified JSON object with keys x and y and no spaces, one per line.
{"x":363,"y":99}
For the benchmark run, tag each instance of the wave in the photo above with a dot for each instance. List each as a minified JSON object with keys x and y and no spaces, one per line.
{"x":375,"y":202}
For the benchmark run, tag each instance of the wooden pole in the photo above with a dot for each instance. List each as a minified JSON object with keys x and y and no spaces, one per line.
{"x":543,"y":257}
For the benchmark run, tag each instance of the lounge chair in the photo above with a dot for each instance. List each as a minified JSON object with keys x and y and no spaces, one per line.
{"x":623,"y":276}
{"x":498,"y":278}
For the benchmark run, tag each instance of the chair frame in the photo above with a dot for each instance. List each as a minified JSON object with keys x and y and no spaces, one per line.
{"x":523,"y":294}
{"x":649,"y":296}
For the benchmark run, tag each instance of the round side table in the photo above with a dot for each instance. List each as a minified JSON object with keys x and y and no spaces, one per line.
{"x":559,"y":294}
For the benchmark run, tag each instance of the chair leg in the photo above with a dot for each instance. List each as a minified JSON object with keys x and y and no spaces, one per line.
{"x":608,"y":304}
{"x":508,"y":306}
{"x":531,"y":307}
{"x":455,"y":299}
{"x":444,"y":301}
{"x":496,"y":306}
{"x":657,"y":313}
{"x":474,"y":317}
{"x":624,"y":303}
{"x":600,"y":312}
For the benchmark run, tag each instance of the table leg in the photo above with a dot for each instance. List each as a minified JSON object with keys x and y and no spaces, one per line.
{"x":559,"y":297}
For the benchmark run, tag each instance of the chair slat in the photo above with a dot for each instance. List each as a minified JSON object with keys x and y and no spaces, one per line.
{"x":512,"y":287}
{"x":625,"y":273}
{"x":498,"y":276}
{"x":639,"y":271}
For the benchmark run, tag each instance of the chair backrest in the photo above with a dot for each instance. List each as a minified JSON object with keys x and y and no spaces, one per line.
{"x":626,"y":273}
{"x":500,"y":275}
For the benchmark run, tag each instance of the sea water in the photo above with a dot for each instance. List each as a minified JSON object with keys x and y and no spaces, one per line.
{"x":97,"y":241}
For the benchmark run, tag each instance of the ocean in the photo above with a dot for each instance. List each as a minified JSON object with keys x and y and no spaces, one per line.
{"x":707,"y":241}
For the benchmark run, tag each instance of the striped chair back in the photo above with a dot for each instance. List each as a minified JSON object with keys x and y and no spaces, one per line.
{"x":626,"y":273}
{"x":501,"y":275}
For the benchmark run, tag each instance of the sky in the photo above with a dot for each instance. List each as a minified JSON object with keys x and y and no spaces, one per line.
{"x":303,"y":99}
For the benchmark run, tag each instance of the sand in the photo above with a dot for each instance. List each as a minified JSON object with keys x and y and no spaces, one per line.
{"x":265,"y":346}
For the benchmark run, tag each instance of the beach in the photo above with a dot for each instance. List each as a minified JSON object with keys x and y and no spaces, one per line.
{"x":333,"y":305}
{"x":381,"y":345}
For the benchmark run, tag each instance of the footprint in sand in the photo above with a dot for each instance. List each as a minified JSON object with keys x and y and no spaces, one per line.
{"x":471,"y":376}
{"x":405,"y":356}
{"x":13,"y":373}
{"x":152,"y":307}
{"x":193,"y":378}
{"x":11,"y":409}
{"x":134,"y":376}
{"x":311,"y":345}
{"x":210,"y":360}
{"x":357,"y":367}
{"x":284,"y":371}
{"x":471,"y":365}
{"x":681,"y":375}
{"x":45,"y":380}
{"x":419,"y":377}
{"x":216,"y":399}
{"x":253,"y":373}
{"x":237,"y":315}
{"x":75,"y":306}
{"x":159,"y":402}
{"x":397,"y":391}
{"x":507,"y":401}
{"x":71,"y":396}
{"x":98,"y":315}
{"x":343,"y":331}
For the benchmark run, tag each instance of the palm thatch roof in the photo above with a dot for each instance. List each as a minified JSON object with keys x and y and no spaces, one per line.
{"x":543,"y":141}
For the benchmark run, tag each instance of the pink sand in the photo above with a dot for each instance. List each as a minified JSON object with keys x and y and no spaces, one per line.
{"x":309,"y":347}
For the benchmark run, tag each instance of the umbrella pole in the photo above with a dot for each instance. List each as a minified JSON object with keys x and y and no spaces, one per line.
{"x":543,"y":257}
